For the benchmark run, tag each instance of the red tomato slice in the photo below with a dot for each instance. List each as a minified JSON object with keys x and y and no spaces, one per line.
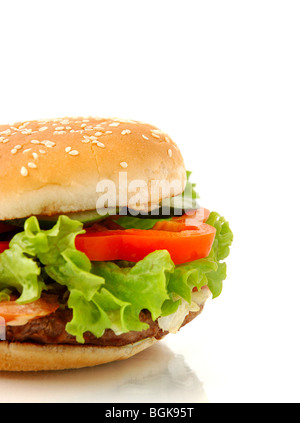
{"x":4,"y":245}
{"x":11,"y":310}
{"x":186,"y":238}
{"x":5,"y":227}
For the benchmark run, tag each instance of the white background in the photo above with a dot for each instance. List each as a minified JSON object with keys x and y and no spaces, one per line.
{"x":223,"y":78}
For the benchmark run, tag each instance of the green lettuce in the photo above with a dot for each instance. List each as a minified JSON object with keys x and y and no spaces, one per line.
{"x":21,"y":272}
{"x":127,"y":291}
{"x":220,"y":251}
{"x":5,"y":294}
{"x":106,"y":295}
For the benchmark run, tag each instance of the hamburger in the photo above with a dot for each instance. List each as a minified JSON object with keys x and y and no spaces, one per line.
{"x":104,"y":249}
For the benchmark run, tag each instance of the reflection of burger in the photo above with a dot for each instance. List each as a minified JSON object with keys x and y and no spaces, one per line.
{"x":78,"y":285}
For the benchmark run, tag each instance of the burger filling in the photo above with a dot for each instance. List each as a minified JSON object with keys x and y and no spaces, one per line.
{"x":111,"y":282}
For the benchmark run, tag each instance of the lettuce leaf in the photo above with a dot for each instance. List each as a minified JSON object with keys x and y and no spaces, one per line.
{"x":5,"y":294}
{"x":143,"y":286}
{"x":127,"y":291}
{"x":220,"y":250}
{"x":20,"y":272}
{"x":103,"y":311}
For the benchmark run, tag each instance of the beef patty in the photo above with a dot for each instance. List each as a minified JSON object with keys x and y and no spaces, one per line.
{"x":51,"y":330}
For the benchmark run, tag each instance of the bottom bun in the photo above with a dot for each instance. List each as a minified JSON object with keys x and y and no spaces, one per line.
{"x":15,"y":356}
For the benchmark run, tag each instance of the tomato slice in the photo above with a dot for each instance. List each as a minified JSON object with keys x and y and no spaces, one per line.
{"x":12,"y":311}
{"x":4,"y":228}
{"x":186,"y":238}
{"x":4,"y":245}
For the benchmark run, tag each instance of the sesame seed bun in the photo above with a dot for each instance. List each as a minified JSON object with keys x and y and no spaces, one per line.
{"x":54,"y":166}
{"x":15,"y":356}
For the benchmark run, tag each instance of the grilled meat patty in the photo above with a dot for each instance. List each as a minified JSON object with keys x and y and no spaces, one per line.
{"x":51,"y":330}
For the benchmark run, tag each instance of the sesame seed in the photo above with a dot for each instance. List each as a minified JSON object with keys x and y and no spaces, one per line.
{"x":114,"y":124}
{"x":168,"y":140}
{"x":59,"y":132}
{"x":73,"y":153}
{"x":42,"y":151}
{"x":44,"y":128}
{"x":27,"y":131}
{"x":18,"y":147}
{"x":100,"y":144}
{"x":108,"y":132}
{"x":126,"y":132}
{"x":155,"y":135}
{"x":145,"y":138}
{"x":170,"y":152}
{"x":49,"y":144}
{"x":24,"y":171}
{"x":124,"y":165}
{"x":35,"y":156}
{"x":98,"y":134}
{"x":60,"y":128}
{"x":14,"y":151}
{"x":35,"y":141}
{"x":68,"y":149}
{"x":32,"y":165}
{"x":27,"y":150}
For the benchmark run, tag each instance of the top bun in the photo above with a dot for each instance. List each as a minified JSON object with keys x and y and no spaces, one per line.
{"x":55,"y":166}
